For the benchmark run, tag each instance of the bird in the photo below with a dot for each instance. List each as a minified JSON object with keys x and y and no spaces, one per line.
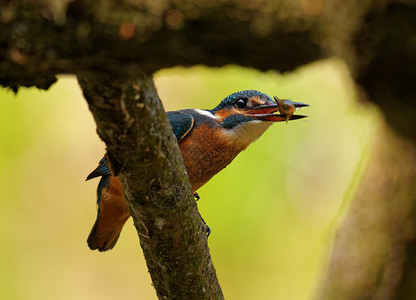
{"x":209,"y":139}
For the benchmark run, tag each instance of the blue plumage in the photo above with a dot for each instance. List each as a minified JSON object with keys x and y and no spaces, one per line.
{"x":181,"y":123}
{"x":233,"y":98}
{"x":235,"y":120}
{"x":103,"y":171}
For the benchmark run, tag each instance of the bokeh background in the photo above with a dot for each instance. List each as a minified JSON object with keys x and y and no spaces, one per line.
{"x":273,"y":212}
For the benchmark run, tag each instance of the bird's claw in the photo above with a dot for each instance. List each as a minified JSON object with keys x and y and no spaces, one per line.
{"x":196,"y":196}
{"x":208,"y":230}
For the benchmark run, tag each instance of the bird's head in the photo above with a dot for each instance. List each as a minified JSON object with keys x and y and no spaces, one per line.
{"x":246,"y":115}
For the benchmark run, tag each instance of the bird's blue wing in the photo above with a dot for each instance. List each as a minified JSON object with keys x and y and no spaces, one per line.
{"x":101,"y":170}
{"x":181,"y":123}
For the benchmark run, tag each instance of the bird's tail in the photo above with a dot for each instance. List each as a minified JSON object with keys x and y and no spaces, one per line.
{"x":113,"y":212}
{"x":102,"y":241}
{"x":104,"y":236}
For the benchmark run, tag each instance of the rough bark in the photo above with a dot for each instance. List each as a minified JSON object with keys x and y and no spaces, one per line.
{"x":144,"y":154}
{"x":42,"y":38}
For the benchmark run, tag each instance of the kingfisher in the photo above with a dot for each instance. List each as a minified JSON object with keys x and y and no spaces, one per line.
{"x":209,"y":139}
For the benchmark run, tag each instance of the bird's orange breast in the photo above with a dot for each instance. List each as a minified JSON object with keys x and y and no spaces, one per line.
{"x":205,"y":152}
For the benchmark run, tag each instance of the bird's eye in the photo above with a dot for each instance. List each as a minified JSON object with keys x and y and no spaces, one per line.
{"x":241,"y":103}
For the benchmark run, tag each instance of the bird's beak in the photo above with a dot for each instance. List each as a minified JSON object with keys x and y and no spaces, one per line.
{"x":299,"y":105}
{"x":266,"y":112}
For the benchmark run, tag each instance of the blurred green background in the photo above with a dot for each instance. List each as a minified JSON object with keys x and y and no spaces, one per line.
{"x":272,"y":212}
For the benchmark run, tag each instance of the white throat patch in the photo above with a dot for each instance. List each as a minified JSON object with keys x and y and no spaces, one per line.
{"x":247,"y":133}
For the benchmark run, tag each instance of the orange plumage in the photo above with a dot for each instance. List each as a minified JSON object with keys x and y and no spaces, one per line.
{"x":114,"y":212}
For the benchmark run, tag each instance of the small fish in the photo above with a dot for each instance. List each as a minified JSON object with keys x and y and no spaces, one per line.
{"x":286,"y":107}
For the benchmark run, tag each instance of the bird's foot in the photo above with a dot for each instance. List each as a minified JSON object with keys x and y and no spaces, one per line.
{"x":208,"y":230}
{"x":196,"y":196}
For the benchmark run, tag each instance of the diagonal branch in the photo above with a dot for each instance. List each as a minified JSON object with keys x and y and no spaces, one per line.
{"x":143,"y":152}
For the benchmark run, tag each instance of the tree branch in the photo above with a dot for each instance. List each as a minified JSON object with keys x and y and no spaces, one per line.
{"x":42,"y":38}
{"x":143,"y":152}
